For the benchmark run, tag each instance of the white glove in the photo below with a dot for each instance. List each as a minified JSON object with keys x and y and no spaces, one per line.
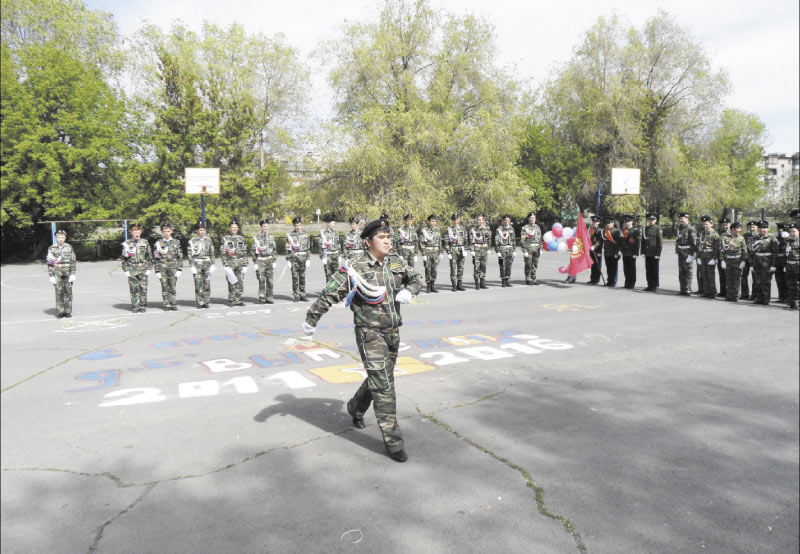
{"x":499,"y":256}
{"x":244,"y":270}
{"x":741,"y":265}
{"x":415,"y":259}
{"x":689,"y":259}
{"x":158,"y":275}
{"x":127,"y":274}
{"x":404,"y":296}
{"x":513,"y":257}
{"x":635,"y":257}
{"x":308,"y":330}
{"x":308,"y":263}
{"x":657,"y":257}
{"x":772,"y":269}
{"x":712,"y":261}
{"x":784,"y":235}
{"x":722,"y":264}
{"x":274,"y":265}
{"x":53,"y":280}
{"x":324,"y":260}
{"x":146,"y":273}
{"x":525,"y":254}
{"x":677,"y":258}
{"x":212,"y":269}
{"x":72,"y":278}
{"x":617,"y":256}
{"x":193,"y":269}
{"x":231,"y":277}
{"x":177,"y":273}
{"x":228,"y":270}
{"x":449,"y":256}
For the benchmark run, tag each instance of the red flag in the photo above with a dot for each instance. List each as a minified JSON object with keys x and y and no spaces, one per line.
{"x":579,"y":257}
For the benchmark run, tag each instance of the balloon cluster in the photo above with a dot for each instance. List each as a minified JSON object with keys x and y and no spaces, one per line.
{"x":559,"y":238}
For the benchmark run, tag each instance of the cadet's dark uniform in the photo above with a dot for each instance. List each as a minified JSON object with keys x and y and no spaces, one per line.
{"x":612,"y":247}
{"x":61,"y":264}
{"x":733,"y":256}
{"x":724,"y":233}
{"x":352,"y":244}
{"x":430,"y":241}
{"x":168,"y":262}
{"x":630,"y":251}
{"x":685,"y":249}
{"x":765,"y":249}
{"x":792,"y":251}
{"x":372,"y":287}
{"x":780,"y":261}
{"x":749,"y":236}
{"x":298,"y":247}
{"x":137,"y":262}
{"x":707,"y":255}
{"x":652,"y":241}
{"x":504,"y":246}
{"x":530,"y":242}
{"x":265,"y":254}
{"x":480,"y":237}
{"x":233,"y":251}
{"x":596,"y":252}
{"x":201,"y":262}
{"x":455,"y":244}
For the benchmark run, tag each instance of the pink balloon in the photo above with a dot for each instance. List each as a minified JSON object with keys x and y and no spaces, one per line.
{"x":570,"y":242}
{"x":563,"y":269}
{"x":557,"y":229}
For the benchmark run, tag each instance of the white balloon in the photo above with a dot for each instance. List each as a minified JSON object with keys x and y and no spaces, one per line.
{"x":562,"y":239}
{"x":548,"y":236}
{"x":562,"y":246}
{"x":567,"y":232}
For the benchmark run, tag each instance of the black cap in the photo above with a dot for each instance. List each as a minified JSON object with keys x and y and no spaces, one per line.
{"x":354,"y":220}
{"x":506,"y":216}
{"x":651,"y":215}
{"x":135,"y":226}
{"x":200,"y":225}
{"x":629,"y":218}
{"x":763,"y":225}
{"x":234,"y":221}
{"x":266,"y":220}
{"x":736,"y":225}
{"x":791,"y":226}
{"x":432,"y":216}
{"x":724,"y":220}
{"x":683,"y":214}
{"x":780,"y":225}
{"x":328,"y":218}
{"x":610,"y":220}
{"x":455,"y":216}
{"x":373,"y":227}
{"x":166,"y":225}
{"x":706,"y":218}
{"x":749,"y":223}
{"x":531,"y":214}
{"x":407,"y":217}
{"x":596,"y":218}
{"x":297,"y":220}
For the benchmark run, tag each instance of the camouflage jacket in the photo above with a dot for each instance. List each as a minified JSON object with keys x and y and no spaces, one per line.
{"x":765,"y":250}
{"x":455,"y":237}
{"x":430,"y":238}
{"x":530,"y":238}
{"x":263,"y":246}
{"x":708,"y":245}
{"x":652,"y":240}
{"x":733,"y":250}
{"x":792,"y":251}
{"x":168,"y":254}
{"x":137,"y":257}
{"x":780,"y":257}
{"x":480,"y":237}
{"x":298,"y":244}
{"x":748,"y":239}
{"x":504,"y":239}
{"x":61,"y":260}
{"x":631,"y":244}
{"x":232,"y":247}
{"x":393,"y":273}
{"x":353,"y":243}
{"x":407,"y":239}
{"x":686,"y":241}
{"x":612,"y":242}
{"x":200,"y":248}
{"x":328,"y":241}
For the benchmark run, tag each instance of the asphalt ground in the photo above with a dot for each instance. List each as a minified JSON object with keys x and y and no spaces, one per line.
{"x":551,"y":419}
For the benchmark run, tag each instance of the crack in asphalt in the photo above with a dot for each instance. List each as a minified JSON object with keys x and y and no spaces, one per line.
{"x":100,"y":530}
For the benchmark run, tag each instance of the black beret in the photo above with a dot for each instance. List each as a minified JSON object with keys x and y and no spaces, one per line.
{"x":791,"y":226}
{"x":373,"y":227}
{"x":683,"y":214}
{"x":135,"y":226}
{"x":736,"y":225}
{"x":432,"y":216}
{"x":706,"y":218}
{"x":454,"y":216}
{"x":749,"y":223}
{"x":724,"y":220}
{"x":328,"y":218}
{"x":651,"y":215}
{"x":200,"y":225}
{"x":266,"y":220}
{"x":596,"y":218}
{"x":166,"y":225}
{"x":297,"y":220}
{"x":763,"y":225}
{"x":531,"y":214}
{"x":780,"y":225}
{"x":234,"y":222}
{"x":408,"y":216}
{"x":506,"y":216}
{"x":354,"y":220}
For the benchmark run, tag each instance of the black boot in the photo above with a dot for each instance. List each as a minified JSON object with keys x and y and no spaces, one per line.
{"x":433,"y":287}
{"x":508,"y":282}
{"x":430,"y":286}
{"x":504,"y":283}
{"x":483,"y":284}
{"x":454,"y":287}
{"x":459,"y":286}
{"x":477,"y":284}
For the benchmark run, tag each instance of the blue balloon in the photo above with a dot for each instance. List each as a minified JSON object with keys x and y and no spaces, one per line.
{"x":553,"y":245}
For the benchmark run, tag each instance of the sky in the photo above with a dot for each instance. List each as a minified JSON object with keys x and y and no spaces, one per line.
{"x":755,"y":42}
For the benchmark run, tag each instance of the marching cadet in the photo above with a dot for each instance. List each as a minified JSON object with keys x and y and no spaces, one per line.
{"x":707,"y":254}
{"x":201,"y":263}
{"x":408,"y":246}
{"x":265,"y":254}
{"x":749,"y":236}
{"x":61,"y":263}
{"x":685,"y":249}
{"x":530,"y":242}
{"x":596,"y":251}
{"x":765,"y":249}
{"x":233,"y":251}
{"x":630,"y":250}
{"x":612,"y":249}
{"x":652,"y":240}
{"x":353,"y":245}
{"x":454,"y":243}
{"x":733,"y":256}
{"x":168,"y":262}
{"x":504,"y":245}
{"x":479,"y":237}
{"x":298,"y":247}
{"x":375,"y":284}
{"x":430,"y":241}
{"x":792,"y":270}
{"x":137,"y":262}
{"x":781,"y":234}
{"x":329,"y":247}
{"x":724,"y":232}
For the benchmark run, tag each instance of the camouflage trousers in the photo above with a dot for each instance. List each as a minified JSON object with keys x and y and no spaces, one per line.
{"x":708,"y":278}
{"x":168,"y":282}
{"x":264,"y":273}
{"x":331,"y":265}
{"x":733,"y":277}
{"x":298,"y":263}
{"x":63,"y":292}
{"x":236,"y":290}
{"x":723,"y":279}
{"x":745,"y":283}
{"x":792,"y":275}
{"x":138,"y":286}
{"x":762,"y":282}
{"x":479,"y":257}
{"x":456,"y":260}
{"x":430,"y":260}
{"x":378,"y":349}
{"x":685,"y":273}
{"x":202,"y":282}
{"x":531,"y":265}
{"x":408,"y":255}
{"x":506,"y":259}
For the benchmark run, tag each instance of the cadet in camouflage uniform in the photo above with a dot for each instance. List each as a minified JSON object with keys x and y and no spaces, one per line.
{"x":596,"y":251}
{"x":630,"y":251}
{"x":201,"y":263}
{"x":430,"y":241}
{"x":353,"y":245}
{"x":375,"y":285}
{"x":137,"y":262}
{"x":233,"y":251}
{"x":265,"y":254}
{"x":749,"y":236}
{"x":530,"y":241}
{"x":298,"y":251}
{"x":765,"y":249}
{"x":480,"y":236}
{"x":329,"y":247}
{"x":780,"y":260}
{"x":408,"y":246}
{"x":612,"y":250}
{"x":652,"y":240}
{"x":61,"y":264}
{"x":685,"y":249}
{"x":792,"y":251}
{"x":707,"y":255}
{"x":168,"y":262}
{"x":504,"y":246}
{"x":724,"y":233}
{"x":454,"y":242}
{"x":733,"y":256}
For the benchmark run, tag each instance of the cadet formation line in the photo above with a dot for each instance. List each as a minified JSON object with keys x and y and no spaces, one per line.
{"x":729,"y":253}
